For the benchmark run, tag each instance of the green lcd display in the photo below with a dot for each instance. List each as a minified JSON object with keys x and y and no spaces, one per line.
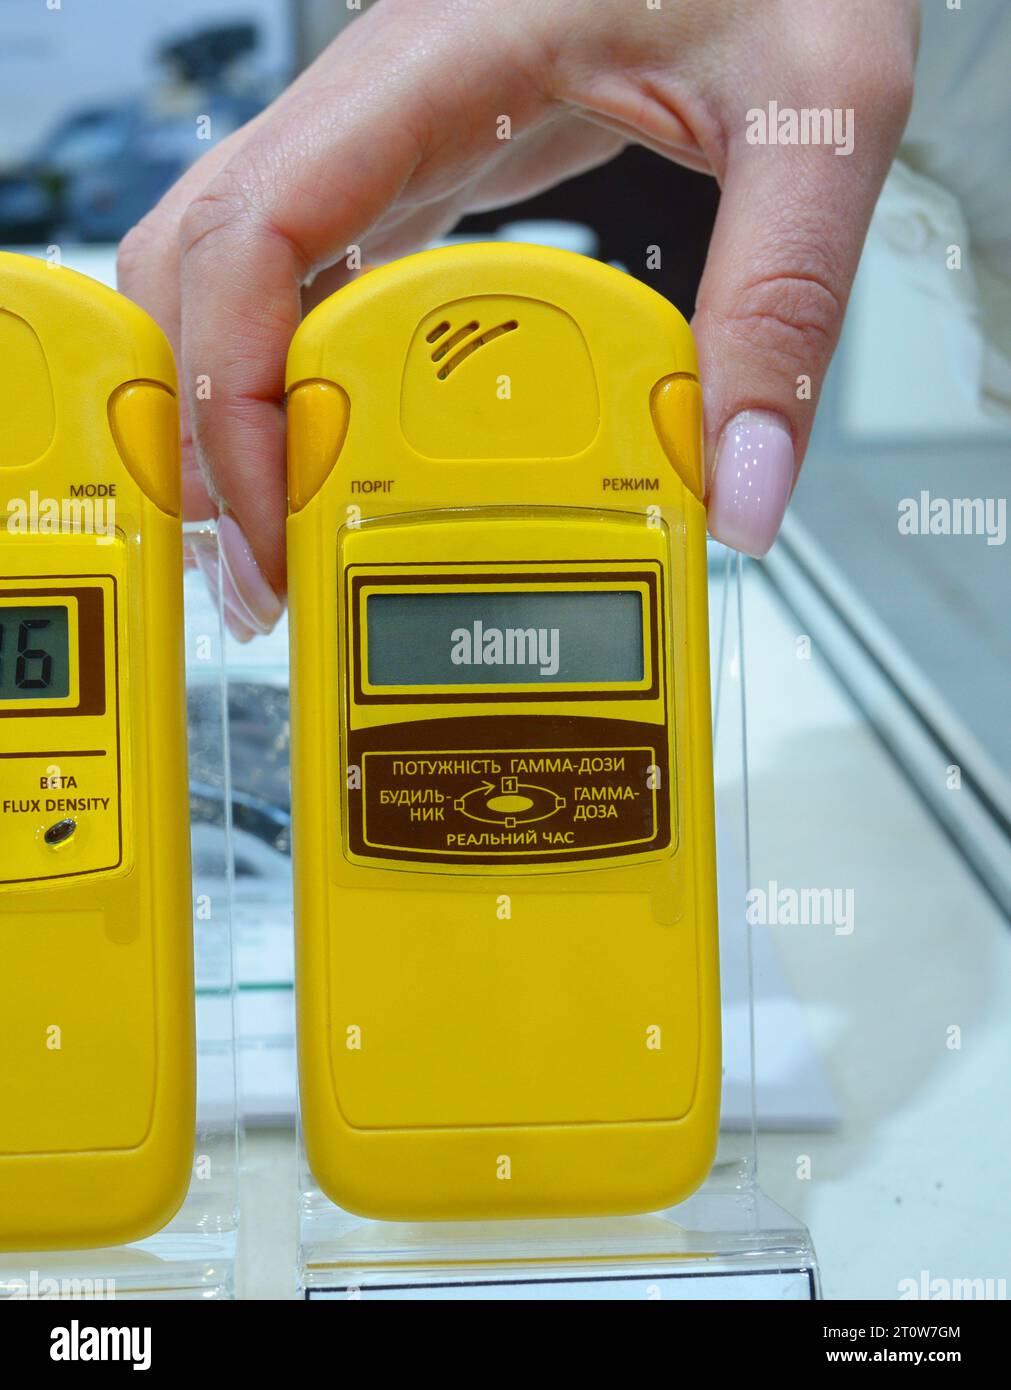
{"x":532,"y":637}
{"x":34,"y":652}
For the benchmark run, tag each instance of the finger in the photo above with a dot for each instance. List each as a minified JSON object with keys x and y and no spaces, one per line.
{"x":147,"y":271}
{"x":788,"y":236}
{"x":559,"y":148}
{"x":292,"y":199}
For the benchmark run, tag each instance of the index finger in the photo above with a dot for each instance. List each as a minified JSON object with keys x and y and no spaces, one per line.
{"x":293,"y":198}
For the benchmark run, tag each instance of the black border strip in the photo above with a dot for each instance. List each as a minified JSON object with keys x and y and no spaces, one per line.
{"x":61,"y":753}
{"x":572,"y":1279}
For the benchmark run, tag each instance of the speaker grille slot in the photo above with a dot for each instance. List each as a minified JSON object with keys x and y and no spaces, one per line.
{"x":453,"y":339}
{"x":486,"y":337}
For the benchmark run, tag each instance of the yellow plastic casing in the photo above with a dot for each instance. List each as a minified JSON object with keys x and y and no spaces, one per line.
{"x":497,"y":1018}
{"x":96,"y":980}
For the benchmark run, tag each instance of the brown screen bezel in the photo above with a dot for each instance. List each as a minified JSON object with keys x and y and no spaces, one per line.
{"x":473,"y":695}
{"x":90,"y":639}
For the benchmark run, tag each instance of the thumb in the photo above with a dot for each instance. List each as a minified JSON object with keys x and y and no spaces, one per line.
{"x":788,"y":236}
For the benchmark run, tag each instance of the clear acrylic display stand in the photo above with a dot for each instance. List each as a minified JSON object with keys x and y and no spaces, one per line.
{"x":726,"y":1241}
{"x":194,"y":1255}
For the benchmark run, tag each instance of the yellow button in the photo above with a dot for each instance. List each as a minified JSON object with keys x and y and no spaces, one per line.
{"x":676,"y":404}
{"x":144,"y":418}
{"x":318,"y":413}
{"x":510,"y":805}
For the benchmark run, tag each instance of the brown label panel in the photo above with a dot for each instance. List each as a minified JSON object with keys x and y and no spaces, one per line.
{"x":88,"y":784}
{"x":488,"y":802}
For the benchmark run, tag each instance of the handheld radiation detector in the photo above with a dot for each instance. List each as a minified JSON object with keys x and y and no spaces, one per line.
{"x":96,"y":992}
{"x":508,"y":1002}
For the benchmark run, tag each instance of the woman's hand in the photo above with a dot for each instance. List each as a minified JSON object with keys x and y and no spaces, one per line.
{"x":394,"y":133}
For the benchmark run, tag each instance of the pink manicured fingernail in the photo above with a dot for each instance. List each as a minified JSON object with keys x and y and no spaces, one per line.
{"x":238,"y":626}
{"x":751,"y":481}
{"x":249,"y":599}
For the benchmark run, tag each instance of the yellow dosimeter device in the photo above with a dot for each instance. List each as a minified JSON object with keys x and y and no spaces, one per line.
{"x":508,"y":997}
{"x":96,"y":989}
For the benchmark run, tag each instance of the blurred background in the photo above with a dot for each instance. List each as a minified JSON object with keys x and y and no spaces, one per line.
{"x":99,"y":104}
{"x":878,"y":662}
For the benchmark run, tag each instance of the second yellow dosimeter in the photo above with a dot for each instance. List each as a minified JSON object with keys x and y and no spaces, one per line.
{"x":98,"y":1065}
{"x":508,"y":997}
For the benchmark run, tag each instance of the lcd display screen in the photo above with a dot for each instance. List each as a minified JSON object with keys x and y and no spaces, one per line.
{"x":34,"y":652}
{"x":539,"y":637}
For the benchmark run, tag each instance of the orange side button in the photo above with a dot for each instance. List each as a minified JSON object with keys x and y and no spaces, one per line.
{"x":318,"y":413}
{"x":676,"y":405}
{"x":144,"y":419}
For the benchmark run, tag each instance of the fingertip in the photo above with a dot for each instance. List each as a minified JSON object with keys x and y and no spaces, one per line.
{"x":238,"y":629}
{"x":248,"y":597}
{"x":752,"y":481}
